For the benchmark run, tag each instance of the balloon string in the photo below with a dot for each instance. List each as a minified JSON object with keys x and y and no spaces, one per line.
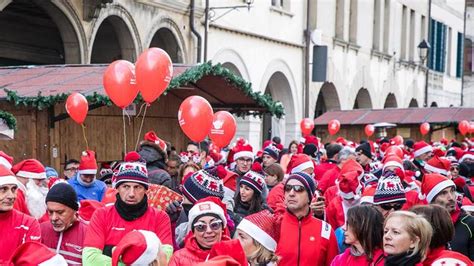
{"x":84,"y":135}
{"x":141,"y":108}
{"x":141,"y":126}
{"x":124,"y":133}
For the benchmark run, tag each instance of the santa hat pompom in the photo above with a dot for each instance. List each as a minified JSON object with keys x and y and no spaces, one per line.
{"x":460,"y":182}
{"x":132,"y":156}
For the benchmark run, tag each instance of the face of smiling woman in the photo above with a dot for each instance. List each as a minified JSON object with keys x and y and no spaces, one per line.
{"x":396,"y":239}
{"x":209,"y":236}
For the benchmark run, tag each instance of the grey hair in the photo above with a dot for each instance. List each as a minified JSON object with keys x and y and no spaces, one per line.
{"x":345,"y":153}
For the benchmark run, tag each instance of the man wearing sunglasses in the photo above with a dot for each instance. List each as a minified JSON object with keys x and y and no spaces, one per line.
{"x":389,"y":195}
{"x":304,"y":239}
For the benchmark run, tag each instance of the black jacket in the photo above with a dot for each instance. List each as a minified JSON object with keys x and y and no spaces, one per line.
{"x":463,"y":241}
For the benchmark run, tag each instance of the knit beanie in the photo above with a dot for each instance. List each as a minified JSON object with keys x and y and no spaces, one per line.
{"x":202,"y":184}
{"x":389,"y":189}
{"x":311,"y":150}
{"x":63,"y":193}
{"x":50,"y":172}
{"x":272,"y":151}
{"x":254,"y":181}
{"x":133,"y":169}
{"x":307,"y":182}
{"x":365,"y":149}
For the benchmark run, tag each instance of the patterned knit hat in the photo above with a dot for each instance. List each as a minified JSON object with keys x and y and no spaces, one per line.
{"x":389,"y":189}
{"x":133,"y":169}
{"x":254,"y":181}
{"x":306,"y":180}
{"x":272,"y":151}
{"x":260,"y":227}
{"x":438,"y":165}
{"x":6,"y":160}
{"x":88,"y":164}
{"x":138,"y":247}
{"x":202,"y":184}
{"x":29,"y":168}
{"x":421,"y":147}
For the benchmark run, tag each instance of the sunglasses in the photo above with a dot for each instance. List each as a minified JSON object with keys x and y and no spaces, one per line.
{"x":202,"y":227}
{"x":388,"y":207}
{"x":296,"y":188}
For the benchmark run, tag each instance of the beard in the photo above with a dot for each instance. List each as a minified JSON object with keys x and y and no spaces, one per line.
{"x":35,"y":199}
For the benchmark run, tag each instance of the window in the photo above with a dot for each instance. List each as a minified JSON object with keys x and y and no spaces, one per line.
{"x":449,"y":51}
{"x":437,"y":53}
{"x":459,"y":55}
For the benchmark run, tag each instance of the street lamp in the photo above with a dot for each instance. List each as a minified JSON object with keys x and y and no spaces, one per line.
{"x":423,"y":49}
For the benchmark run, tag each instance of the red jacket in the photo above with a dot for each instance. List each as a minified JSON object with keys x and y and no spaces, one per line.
{"x":16,"y":228}
{"x":441,"y":256}
{"x":347,"y":259}
{"x":107,"y":228}
{"x":335,"y":213}
{"x":70,"y":242}
{"x":329,"y":179}
{"x":321,"y":169}
{"x":191,"y":254}
{"x":276,"y":196}
{"x":330,"y":194}
{"x":305,"y":241}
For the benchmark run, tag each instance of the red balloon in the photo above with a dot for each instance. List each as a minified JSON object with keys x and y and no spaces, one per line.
{"x":334,"y":126}
{"x":464,"y":127}
{"x":77,"y":107}
{"x":425,"y":128}
{"x":154,"y":71}
{"x":306,"y":125}
{"x":223,"y":129}
{"x":119,"y":83}
{"x":369,"y":130}
{"x":195,"y":117}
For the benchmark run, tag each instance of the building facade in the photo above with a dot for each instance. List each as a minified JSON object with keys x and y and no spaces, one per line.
{"x":372,"y":58}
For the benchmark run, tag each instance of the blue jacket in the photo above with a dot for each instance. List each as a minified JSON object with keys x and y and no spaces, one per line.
{"x":94,"y":192}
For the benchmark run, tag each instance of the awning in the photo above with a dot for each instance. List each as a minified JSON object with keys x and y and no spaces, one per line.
{"x":44,"y":86}
{"x":434,"y":115}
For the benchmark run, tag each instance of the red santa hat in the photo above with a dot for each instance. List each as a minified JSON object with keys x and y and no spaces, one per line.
{"x":348,"y":185}
{"x":392,"y":160}
{"x":260,"y":227}
{"x":207,"y":206}
{"x":87,"y":209}
{"x":88,"y":164}
{"x":341,"y":141}
{"x":394,"y":150}
{"x":433,"y":184}
{"x":351,"y":165}
{"x":35,"y":253}
{"x":138,"y":247}
{"x":221,"y":260}
{"x":368,"y":195}
{"x":466,"y":155}
{"x":29,"y":168}
{"x":298,"y":163}
{"x":421,"y":147}
{"x":438,"y":165}
{"x":6,"y":160}
{"x":243,"y":149}
{"x":151,"y":139}
{"x":232,"y":248}
{"x":7,"y":177}
{"x":467,"y":205}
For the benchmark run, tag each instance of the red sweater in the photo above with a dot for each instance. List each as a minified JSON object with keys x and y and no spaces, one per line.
{"x":308,"y":241}
{"x":107,"y":228}
{"x":16,"y":228}
{"x":70,"y":242}
{"x":347,"y":259}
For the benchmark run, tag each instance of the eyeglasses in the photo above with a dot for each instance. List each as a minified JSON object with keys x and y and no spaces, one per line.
{"x":245,"y":160}
{"x":388,"y":207}
{"x":71,"y":169}
{"x":296,"y":188}
{"x":202,"y":227}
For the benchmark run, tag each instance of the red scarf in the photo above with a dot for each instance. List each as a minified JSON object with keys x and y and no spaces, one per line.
{"x":455,"y":214}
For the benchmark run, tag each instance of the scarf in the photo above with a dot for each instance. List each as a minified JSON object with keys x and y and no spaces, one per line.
{"x":455,"y":215}
{"x":131,"y":212}
{"x":402,"y":259}
{"x":84,"y":184}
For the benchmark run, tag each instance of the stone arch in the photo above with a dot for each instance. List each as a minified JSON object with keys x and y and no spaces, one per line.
{"x":413,"y":103}
{"x":390,"y":101}
{"x":115,"y":32}
{"x":434,"y":104}
{"x":39,"y":32}
{"x":328,"y":99}
{"x":232,"y":59}
{"x":363,"y":100}
{"x":174,"y":43}
{"x":230,"y":66}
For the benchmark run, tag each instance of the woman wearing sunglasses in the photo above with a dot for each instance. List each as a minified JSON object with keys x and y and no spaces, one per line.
{"x":249,"y":199}
{"x":207,"y":224}
{"x":389,"y":195}
{"x":406,"y":239}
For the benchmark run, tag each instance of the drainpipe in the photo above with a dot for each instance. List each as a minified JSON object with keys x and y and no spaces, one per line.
{"x":307,"y":37}
{"x":206,"y":29}
{"x":195,"y":32}
{"x":463,"y":57}
{"x":425,"y":104}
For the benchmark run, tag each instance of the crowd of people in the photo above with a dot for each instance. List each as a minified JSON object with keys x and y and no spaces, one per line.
{"x":384,"y":202}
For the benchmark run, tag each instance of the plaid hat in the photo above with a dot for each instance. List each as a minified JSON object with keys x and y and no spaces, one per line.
{"x":202,"y":184}
{"x":389,"y":189}
{"x":63,"y":193}
{"x":307,"y":182}
{"x":272,"y":151}
{"x":254,"y":181}
{"x":365,"y":149}
{"x":133,"y":169}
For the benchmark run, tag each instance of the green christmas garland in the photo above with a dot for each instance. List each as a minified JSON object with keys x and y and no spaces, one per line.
{"x":9,"y":119}
{"x":191,"y":75}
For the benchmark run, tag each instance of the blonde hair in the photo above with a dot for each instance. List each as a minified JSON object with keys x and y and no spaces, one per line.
{"x":417,"y":227}
{"x":262,"y":254}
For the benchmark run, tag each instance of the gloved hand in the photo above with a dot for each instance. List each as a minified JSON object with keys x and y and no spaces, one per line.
{"x":173,"y":210}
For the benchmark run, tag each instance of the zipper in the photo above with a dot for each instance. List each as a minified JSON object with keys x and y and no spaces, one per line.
{"x":299,"y":241}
